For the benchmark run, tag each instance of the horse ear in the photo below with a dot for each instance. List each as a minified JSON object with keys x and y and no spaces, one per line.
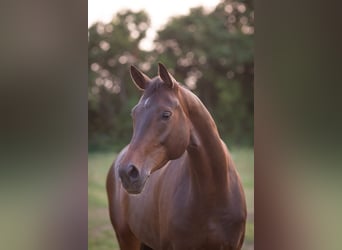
{"x":140,"y":79}
{"x":165,"y":75}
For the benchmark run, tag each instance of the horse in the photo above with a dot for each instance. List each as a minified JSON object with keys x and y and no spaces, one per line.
{"x":174,"y":186}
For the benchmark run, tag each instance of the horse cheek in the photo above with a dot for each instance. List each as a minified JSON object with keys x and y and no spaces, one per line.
{"x":179,"y":143}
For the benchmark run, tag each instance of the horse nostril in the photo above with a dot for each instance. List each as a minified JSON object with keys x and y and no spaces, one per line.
{"x":133,"y":172}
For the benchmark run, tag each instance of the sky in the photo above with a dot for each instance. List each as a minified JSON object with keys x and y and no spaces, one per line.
{"x":158,"y":10}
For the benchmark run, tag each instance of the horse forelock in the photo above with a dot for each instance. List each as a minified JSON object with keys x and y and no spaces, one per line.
{"x":155,"y":84}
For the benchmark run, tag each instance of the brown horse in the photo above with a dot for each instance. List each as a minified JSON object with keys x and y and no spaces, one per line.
{"x":175,"y":185}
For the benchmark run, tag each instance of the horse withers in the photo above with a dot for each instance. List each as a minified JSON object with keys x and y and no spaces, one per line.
{"x":174,"y":186}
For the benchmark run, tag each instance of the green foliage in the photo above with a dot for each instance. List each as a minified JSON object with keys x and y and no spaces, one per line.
{"x":215,"y":51}
{"x":211,"y":53}
{"x":100,"y":231}
{"x":111,"y":48}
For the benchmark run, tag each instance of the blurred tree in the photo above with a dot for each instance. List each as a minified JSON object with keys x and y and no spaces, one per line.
{"x":111,"y":48}
{"x":213,"y":53}
{"x":210,"y":52}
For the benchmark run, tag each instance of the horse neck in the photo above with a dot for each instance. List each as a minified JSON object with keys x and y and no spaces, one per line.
{"x":208,"y":155}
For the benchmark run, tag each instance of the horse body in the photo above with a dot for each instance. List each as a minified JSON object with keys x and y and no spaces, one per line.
{"x":191,"y":199}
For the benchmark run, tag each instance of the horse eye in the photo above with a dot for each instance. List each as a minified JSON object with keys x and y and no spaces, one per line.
{"x":166,"y":115}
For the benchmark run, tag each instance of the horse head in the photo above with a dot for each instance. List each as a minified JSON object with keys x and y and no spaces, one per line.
{"x":161,"y":129}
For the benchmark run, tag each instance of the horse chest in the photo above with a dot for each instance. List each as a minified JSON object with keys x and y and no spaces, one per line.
{"x":212,"y":236}
{"x":205,"y":227}
{"x":143,"y":218}
{"x":178,"y":219}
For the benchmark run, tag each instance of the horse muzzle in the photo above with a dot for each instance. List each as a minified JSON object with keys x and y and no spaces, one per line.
{"x":132,"y":179}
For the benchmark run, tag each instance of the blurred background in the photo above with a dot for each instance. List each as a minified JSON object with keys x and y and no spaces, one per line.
{"x":206,"y":45}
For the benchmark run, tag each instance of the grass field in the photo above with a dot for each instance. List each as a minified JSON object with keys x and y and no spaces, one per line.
{"x":100,"y":233}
